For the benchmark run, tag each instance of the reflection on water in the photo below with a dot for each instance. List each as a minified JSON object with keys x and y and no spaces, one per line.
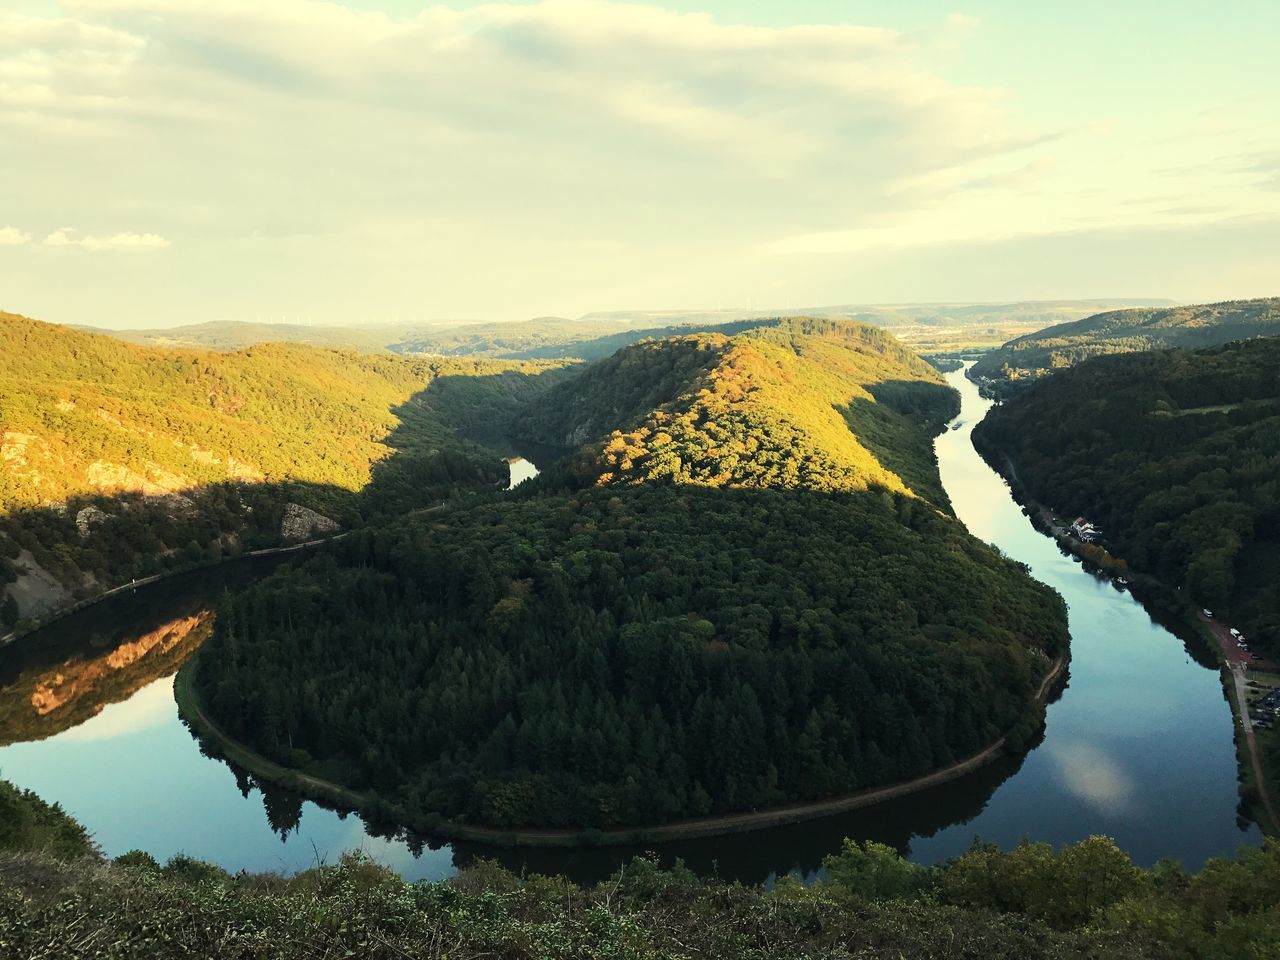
{"x":44,"y":700}
{"x":1138,"y":746}
{"x":1093,"y":776}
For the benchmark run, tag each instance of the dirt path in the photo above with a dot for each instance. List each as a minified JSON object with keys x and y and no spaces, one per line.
{"x":1237,"y":663}
{"x":683,"y":830}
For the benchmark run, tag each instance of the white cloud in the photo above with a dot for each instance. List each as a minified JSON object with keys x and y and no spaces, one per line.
{"x":509,"y":159}
{"x":69,"y":237}
{"x":13,"y":237}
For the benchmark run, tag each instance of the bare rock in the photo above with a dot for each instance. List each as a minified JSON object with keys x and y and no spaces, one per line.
{"x":88,"y":517}
{"x":301,"y":523}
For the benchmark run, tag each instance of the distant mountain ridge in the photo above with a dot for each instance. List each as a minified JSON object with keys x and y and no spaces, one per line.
{"x":1035,"y":355}
{"x":596,"y":335}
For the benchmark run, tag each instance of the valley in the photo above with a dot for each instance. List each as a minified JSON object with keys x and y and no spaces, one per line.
{"x":1138,"y":745}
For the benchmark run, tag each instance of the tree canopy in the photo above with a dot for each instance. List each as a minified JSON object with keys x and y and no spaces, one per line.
{"x":1176,"y":456}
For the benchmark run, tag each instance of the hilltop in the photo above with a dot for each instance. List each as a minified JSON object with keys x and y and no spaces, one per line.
{"x":734,"y":592}
{"x":808,"y":403}
{"x":1036,"y":355}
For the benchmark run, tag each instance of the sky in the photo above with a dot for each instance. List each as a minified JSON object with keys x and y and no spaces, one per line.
{"x":172,"y":161}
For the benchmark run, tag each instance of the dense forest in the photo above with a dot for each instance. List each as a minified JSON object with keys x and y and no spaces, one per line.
{"x":1035,"y":355}
{"x":758,"y":610}
{"x":1176,"y":456}
{"x":60,"y":897}
{"x":119,"y":460}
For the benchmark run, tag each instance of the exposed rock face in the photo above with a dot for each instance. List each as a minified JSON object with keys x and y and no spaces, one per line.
{"x":299,"y":523}
{"x":87,"y":517}
{"x":37,"y":591}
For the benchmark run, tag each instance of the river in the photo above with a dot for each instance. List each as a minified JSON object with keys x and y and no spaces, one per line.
{"x":1138,"y":746}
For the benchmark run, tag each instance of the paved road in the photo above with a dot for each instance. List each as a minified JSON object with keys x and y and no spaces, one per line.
{"x":1238,"y":663}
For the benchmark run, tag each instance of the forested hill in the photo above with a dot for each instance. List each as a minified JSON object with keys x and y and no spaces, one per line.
{"x":1176,"y":456}
{"x":739,"y":632}
{"x":799,"y":403}
{"x":174,"y":454}
{"x":1126,"y":331}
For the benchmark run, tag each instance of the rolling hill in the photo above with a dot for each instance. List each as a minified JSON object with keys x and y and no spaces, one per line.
{"x":116,"y":459}
{"x":1036,"y":355}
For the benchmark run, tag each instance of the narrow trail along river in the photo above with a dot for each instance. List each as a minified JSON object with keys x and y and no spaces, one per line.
{"x":1138,"y":746}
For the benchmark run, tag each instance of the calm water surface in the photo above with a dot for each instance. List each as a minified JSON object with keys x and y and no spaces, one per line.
{"x":1138,"y":746}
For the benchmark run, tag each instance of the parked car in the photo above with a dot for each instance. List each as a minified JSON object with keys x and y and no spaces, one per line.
{"x":1208,"y":614}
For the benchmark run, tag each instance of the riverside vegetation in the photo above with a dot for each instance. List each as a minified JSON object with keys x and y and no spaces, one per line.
{"x":736,"y":590}
{"x":1176,"y":456}
{"x":60,"y":897}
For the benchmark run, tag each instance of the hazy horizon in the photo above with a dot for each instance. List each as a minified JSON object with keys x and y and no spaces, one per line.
{"x":171,"y":162}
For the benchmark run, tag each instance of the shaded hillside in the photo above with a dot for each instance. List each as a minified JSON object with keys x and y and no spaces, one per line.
{"x":815,"y":404}
{"x":1126,"y":331}
{"x":1176,"y":455}
{"x":115,"y":456}
{"x":772,"y":621}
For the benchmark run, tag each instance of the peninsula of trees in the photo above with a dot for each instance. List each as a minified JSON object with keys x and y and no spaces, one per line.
{"x":1028,"y":358}
{"x":740,"y":587}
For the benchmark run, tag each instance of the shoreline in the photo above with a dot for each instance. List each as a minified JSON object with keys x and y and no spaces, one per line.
{"x":1247,"y":758}
{"x":191,"y":710}
{"x":62,"y":612}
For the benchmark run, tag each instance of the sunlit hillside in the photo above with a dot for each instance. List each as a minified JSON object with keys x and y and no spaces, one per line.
{"x":811,"y":404}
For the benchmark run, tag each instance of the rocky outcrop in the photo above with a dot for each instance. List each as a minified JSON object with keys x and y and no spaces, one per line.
{"x":87,"y":517}
{"x":301,"y":523}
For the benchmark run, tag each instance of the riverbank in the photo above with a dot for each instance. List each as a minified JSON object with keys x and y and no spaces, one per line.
{"x":192,"y":711}
{"x":66,"y":611}
{"x":1255,"y":789}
